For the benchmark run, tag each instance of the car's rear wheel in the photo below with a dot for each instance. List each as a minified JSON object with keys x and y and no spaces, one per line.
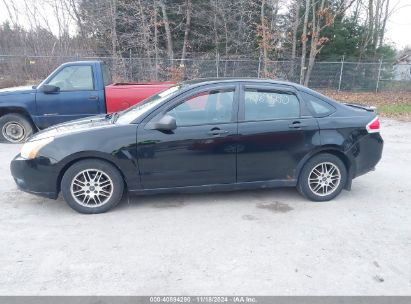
{"x":15,"y":128}
{"x":92,"y":186}
{"x":322,"y":178}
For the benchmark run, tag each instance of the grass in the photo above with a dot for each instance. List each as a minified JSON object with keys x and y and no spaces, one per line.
{"x":395,"y":104}
{"x":396,"y":108}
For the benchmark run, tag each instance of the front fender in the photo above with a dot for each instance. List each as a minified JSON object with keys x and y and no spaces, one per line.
{"x":105,"y":144}
{"x":24,"y":103}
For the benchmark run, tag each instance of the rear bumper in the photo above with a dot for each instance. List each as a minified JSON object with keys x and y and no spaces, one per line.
{"x":35,"y":176}
{"x":367,"y":153}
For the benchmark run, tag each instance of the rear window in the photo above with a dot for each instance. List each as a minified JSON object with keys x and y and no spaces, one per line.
{"x":106,"y":74}
{"x":317,"y":106}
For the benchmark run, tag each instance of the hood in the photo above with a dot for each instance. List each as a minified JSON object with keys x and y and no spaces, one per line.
{"x":17,"y":90}
{"x":75,"y":126}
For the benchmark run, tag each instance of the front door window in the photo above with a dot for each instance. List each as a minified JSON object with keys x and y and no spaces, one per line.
{"x":74,"y":78}
{"x":212,"y":107}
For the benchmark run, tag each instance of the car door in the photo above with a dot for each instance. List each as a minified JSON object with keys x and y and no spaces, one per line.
{"x":274,"y":133}
{"x":201,"y":150}
{"x":77,"y":96}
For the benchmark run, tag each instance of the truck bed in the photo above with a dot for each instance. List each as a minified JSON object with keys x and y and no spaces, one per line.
{"x":120,"y":96}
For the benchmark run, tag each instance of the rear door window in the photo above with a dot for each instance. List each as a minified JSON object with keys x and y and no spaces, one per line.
{"x":261,"y":104}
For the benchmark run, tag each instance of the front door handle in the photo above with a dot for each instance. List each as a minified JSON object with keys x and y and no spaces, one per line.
{"x":216,"y":132}
{"x":93,"y":97}
{"x":297,"y":125}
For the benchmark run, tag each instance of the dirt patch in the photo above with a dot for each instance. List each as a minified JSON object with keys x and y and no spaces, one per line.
{"x":169,"y":205}
{"x":378,"y":279}
{"x":376,"y":264}
{"x":275,"y":207}
{"x":249,"y":217}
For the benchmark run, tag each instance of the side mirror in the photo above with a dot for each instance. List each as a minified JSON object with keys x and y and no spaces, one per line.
{"x":48,"y":88}
{"x":166,"y":123}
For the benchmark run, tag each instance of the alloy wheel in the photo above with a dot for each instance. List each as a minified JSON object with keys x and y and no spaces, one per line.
{"x":324,"y":178}
{"x":92,"y":188}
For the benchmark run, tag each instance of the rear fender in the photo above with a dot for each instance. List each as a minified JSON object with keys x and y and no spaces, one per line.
{"x":335,"y":150}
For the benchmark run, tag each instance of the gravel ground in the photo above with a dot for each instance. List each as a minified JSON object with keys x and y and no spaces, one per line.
{"x":265,"y":242}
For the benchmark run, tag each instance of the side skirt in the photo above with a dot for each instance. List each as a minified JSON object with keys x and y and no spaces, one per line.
{"x":218,"y":187}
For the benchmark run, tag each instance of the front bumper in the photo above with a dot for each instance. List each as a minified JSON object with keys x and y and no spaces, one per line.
{"x":36,"y":176}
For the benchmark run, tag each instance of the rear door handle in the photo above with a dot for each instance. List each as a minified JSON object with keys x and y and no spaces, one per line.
{"x":216,"y":132}
{"x":93,"y":97}
{"x":297,"y":125}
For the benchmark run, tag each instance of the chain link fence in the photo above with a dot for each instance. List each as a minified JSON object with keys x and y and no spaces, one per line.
{"x":338,"y":75}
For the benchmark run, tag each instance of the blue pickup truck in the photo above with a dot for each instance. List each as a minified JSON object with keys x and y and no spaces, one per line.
{"x":74,"y":90}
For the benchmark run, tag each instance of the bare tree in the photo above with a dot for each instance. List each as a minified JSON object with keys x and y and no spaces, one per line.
{"x":187,"y":30}
{"x":264,"y":44}
{"x":296,"y":23}
{"x":322,"y":17}
{"x":304,"y":41}
{"x":72,"y":8}
{"x":170,"y":48}
{"x":317,"y":43}
{"x":384,"y":23}
{"x":155,"y":13}
{"x":12,"y":12}
{"x":113,"y":18}
{"x":216,"y":30}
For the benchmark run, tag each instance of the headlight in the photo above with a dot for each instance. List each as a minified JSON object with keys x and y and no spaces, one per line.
{"x":31,"y":148}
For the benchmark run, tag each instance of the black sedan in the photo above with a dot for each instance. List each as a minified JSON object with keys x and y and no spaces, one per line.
{"x":208,"y":135}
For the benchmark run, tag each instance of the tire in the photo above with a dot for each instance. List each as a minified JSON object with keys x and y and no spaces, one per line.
{"x":315,"y":184}
{"x":15,"y":128}
{"x":103,"y":181}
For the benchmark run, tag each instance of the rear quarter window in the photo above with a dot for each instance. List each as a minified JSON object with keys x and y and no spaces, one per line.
{"x":317,"y":106}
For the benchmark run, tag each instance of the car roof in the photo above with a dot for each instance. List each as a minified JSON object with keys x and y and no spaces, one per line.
{"x":82,"y":62}
{"x":204,"y":81}
{"x":216,"y":80}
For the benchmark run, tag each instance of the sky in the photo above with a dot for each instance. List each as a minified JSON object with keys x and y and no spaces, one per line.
{"x":398,"y":26}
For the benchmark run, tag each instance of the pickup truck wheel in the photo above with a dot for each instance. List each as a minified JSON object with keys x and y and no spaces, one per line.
{"x":92,"y":186}
{"x":15,"y":128}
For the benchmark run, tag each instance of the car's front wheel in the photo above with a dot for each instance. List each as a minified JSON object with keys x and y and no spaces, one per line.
{"x":92,"y":186}
{"x":322,"y":178}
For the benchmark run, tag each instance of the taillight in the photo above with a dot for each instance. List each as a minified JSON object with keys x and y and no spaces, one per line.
{"x":374,"y":125}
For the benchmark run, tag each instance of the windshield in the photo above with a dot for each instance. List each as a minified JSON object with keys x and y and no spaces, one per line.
{"x":127,"y":116}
